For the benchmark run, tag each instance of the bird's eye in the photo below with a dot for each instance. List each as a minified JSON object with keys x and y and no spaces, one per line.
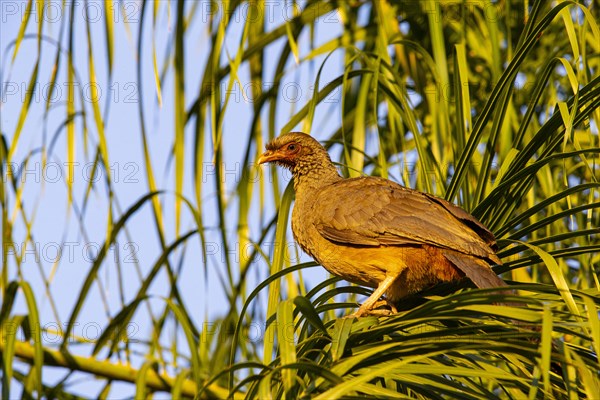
{"x":292,"y":147}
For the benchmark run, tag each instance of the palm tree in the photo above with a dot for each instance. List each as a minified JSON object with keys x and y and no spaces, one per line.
{"x":492,"y":105}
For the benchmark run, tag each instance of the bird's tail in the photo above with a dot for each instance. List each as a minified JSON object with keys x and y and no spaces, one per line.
{"x":476,"y":269}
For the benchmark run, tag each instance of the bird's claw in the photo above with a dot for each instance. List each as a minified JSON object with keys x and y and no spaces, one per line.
{"x":385,"y":303}
{"x":381,"y":308}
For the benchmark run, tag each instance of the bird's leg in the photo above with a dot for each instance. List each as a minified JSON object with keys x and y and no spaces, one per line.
{"x":367,"y":306}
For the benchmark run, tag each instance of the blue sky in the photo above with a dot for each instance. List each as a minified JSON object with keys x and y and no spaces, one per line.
{"x":66,"y":247}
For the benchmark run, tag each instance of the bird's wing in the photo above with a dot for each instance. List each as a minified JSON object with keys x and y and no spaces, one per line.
{"x":373,"y":211}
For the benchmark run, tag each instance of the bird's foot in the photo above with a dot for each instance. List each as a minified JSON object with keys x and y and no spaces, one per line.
{"x":381,"y":308}
{"x":380,"y":312}
{"x":385,"y":303}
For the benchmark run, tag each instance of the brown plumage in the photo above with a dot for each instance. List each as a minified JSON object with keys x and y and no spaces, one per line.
{"x":377,"y":233}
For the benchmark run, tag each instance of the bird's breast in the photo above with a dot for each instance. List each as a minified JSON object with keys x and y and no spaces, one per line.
{"x":301,"y":224}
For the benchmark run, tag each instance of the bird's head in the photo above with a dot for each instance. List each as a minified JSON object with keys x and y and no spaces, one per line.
{"x":300,"y":153}
{"x":292,"y":148}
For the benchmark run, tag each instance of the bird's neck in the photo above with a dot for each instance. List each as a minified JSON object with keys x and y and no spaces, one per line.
{"x":313,"y":176}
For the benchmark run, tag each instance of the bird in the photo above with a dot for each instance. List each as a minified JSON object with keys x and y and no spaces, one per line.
{"x":377,"y":233}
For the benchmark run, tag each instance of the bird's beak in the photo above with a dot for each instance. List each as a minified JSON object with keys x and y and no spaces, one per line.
{"x":268,"y":156}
